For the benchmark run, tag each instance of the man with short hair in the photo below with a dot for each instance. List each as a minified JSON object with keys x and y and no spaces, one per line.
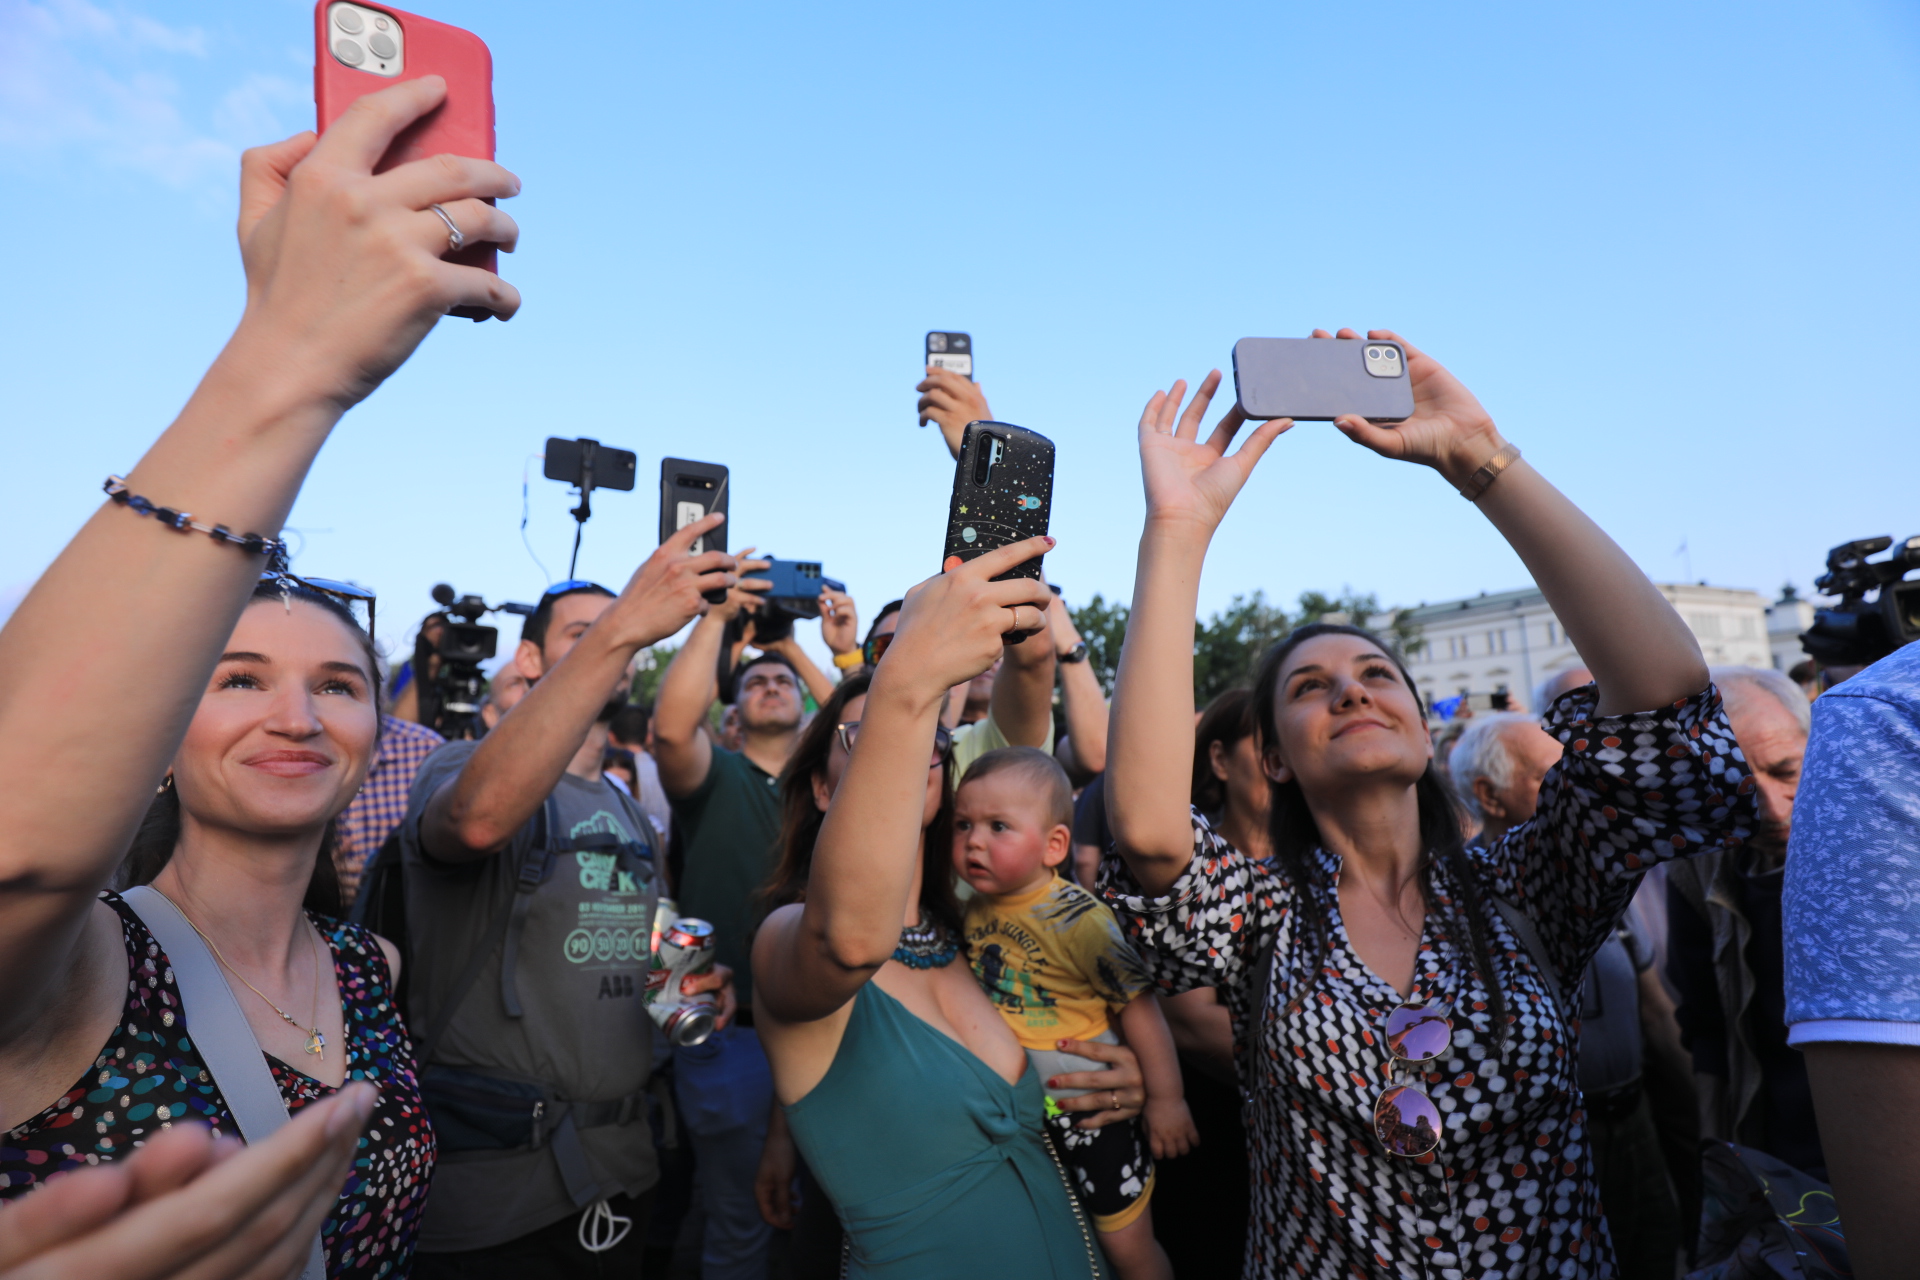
{"x":1728,"y":943}
{"x":530,"y":888}
{"x":1497,"y":767}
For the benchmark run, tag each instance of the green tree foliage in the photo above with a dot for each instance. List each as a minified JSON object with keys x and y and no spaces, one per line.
{"x":1227,"y":647}
{"x":1103,"y":626}
{"x":649,"y":668}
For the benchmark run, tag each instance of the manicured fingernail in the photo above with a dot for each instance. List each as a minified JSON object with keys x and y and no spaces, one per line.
{"x":1051,"y":540}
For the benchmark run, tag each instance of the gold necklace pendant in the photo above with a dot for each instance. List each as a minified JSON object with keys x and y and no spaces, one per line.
{"x":317,"y":1043}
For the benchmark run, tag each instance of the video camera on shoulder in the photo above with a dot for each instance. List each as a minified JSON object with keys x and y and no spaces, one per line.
{"x":1859,"y":631}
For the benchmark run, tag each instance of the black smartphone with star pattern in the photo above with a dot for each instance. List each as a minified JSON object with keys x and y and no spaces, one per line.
{"x":1002,"y":493}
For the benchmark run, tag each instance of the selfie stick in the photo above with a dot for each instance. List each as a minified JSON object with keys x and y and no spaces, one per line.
{"x":589,"y":453}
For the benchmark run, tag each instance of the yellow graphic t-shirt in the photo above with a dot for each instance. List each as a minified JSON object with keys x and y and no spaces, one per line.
{"x":1053,"y":961}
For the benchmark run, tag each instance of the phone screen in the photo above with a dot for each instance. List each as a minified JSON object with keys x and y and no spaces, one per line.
{"x":950,"y":351}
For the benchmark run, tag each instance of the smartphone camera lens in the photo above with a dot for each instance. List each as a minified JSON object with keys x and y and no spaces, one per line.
{"x":349,"y":52}
{"x":348,"y":20}
{"x":382,"y":45}
{"x":936,"y":342}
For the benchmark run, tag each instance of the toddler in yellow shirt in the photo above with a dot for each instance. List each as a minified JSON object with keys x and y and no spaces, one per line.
{"x":1052,"y":958}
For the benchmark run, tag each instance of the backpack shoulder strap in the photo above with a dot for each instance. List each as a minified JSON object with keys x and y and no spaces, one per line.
{"x":501,"y":933}
{"x":219,"y":1030}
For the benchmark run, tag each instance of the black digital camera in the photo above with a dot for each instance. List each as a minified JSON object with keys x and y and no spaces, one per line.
{"x":1858,"y":631}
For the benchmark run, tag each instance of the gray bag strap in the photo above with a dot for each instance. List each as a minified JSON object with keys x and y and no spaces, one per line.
{"x":219,"y":1030}
{"x":1529,"y":934}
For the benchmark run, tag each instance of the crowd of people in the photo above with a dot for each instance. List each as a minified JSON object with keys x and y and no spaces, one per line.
{"x":1013,"y":977}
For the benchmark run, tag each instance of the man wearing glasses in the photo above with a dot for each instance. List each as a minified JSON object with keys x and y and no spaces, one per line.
{"x":531,"y":883}
{"x":726,"y":811}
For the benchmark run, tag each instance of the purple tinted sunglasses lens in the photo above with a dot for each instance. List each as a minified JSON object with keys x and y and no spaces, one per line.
{"x":1406,"y":1121}
{"x":1418,"y":1034}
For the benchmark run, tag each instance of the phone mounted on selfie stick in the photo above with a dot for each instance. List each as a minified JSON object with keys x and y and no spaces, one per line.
{"x":586,"y":464}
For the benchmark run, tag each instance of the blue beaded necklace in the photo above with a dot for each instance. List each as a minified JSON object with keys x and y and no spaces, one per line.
{"x":926,"y":946}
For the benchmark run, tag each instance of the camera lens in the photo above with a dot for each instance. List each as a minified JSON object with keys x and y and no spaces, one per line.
{"x":382,"y":45}
{"x":349,"y":52}
{"x":348,"y":20}
{"x":1373,"y":353}
{"x":936,"y":342}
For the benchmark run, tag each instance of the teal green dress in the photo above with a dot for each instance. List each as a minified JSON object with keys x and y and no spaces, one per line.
{"x":937,"y":1166}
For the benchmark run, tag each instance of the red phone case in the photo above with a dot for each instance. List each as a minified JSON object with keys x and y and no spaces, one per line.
{"x":461,"y":126}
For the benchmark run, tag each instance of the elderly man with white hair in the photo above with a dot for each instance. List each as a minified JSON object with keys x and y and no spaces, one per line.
{"x":1626,"y":1018}
{"x":1726,"y":942}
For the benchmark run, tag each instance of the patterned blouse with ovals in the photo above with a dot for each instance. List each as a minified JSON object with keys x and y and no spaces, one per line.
{"x":1509,"y":1194}
{"x":150,"y":1075}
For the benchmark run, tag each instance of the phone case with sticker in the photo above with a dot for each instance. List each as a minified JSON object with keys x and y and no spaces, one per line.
{"x":1320,"y":379}
{"x":690,"y":491}
{"x":1002,"y":493}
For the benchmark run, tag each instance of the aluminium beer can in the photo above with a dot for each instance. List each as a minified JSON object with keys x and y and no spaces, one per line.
{"x":686,"y":948}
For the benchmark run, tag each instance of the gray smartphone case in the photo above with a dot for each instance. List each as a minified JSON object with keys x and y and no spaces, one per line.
{"x":1317,"y":380}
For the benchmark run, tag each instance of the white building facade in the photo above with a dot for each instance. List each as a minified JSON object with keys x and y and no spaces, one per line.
{"x":1496,"y":649}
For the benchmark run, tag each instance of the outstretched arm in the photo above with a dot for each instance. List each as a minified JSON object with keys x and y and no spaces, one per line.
{"x":680,"y":744}
{"x":516,"y":767}
{"x":1081,"y":696}
{"x":1022,"y":705}
{"x":952,"y":400}
{"x":808,"y":962}
{"x":344,"y":279}
{"x":1641,"y":654}
{"x":1190,"y":483}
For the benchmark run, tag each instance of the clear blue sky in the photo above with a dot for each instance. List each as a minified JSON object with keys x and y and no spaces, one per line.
{"x":1671,"y":247}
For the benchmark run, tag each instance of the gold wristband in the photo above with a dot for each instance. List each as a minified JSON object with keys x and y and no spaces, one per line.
{"x":1489,"y":472}
{"x":849,"y":660}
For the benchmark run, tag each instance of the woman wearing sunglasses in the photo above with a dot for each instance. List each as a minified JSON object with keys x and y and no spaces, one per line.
{"x":1399,"y":1004}
{"x":902,"y":1087}
{"x":156,"y":692}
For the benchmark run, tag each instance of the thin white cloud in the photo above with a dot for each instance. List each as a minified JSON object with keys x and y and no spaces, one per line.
{"x":111,"y":86}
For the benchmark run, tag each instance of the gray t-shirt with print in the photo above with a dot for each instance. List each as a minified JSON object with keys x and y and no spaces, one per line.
{"x":581,"y":974}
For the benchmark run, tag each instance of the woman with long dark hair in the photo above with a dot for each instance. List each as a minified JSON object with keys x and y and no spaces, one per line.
{"x":152,"y":656}
{"x":903,"y":1088}
{"x":1400,"y":1005}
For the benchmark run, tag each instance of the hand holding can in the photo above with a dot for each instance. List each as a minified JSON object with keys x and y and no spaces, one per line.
{"x":686,"y":948}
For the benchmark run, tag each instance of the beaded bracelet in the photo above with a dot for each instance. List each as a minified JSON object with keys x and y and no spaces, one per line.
{"x":116,"y":488}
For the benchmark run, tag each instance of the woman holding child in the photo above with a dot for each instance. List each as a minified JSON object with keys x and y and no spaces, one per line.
{"x":909,"y":1096}
{"x":1399,"y":1003}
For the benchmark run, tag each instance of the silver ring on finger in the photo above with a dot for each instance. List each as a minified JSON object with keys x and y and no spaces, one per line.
{"x":456,"y":239}
{"x":1115,"y":1095}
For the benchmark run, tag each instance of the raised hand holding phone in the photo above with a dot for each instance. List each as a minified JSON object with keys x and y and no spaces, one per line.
{"x":360,"y":49}
{"x":344,"y":264}
{"x":1448,"y":429}
{"x":953,"y":626}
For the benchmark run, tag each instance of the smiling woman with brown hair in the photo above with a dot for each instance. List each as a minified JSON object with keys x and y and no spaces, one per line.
{"x":1399,"y":1002}
{"x":251,"y":705}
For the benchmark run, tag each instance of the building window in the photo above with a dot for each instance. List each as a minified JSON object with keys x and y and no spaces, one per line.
{"x":1550,"y":639}
{"x":1503,"y":639}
